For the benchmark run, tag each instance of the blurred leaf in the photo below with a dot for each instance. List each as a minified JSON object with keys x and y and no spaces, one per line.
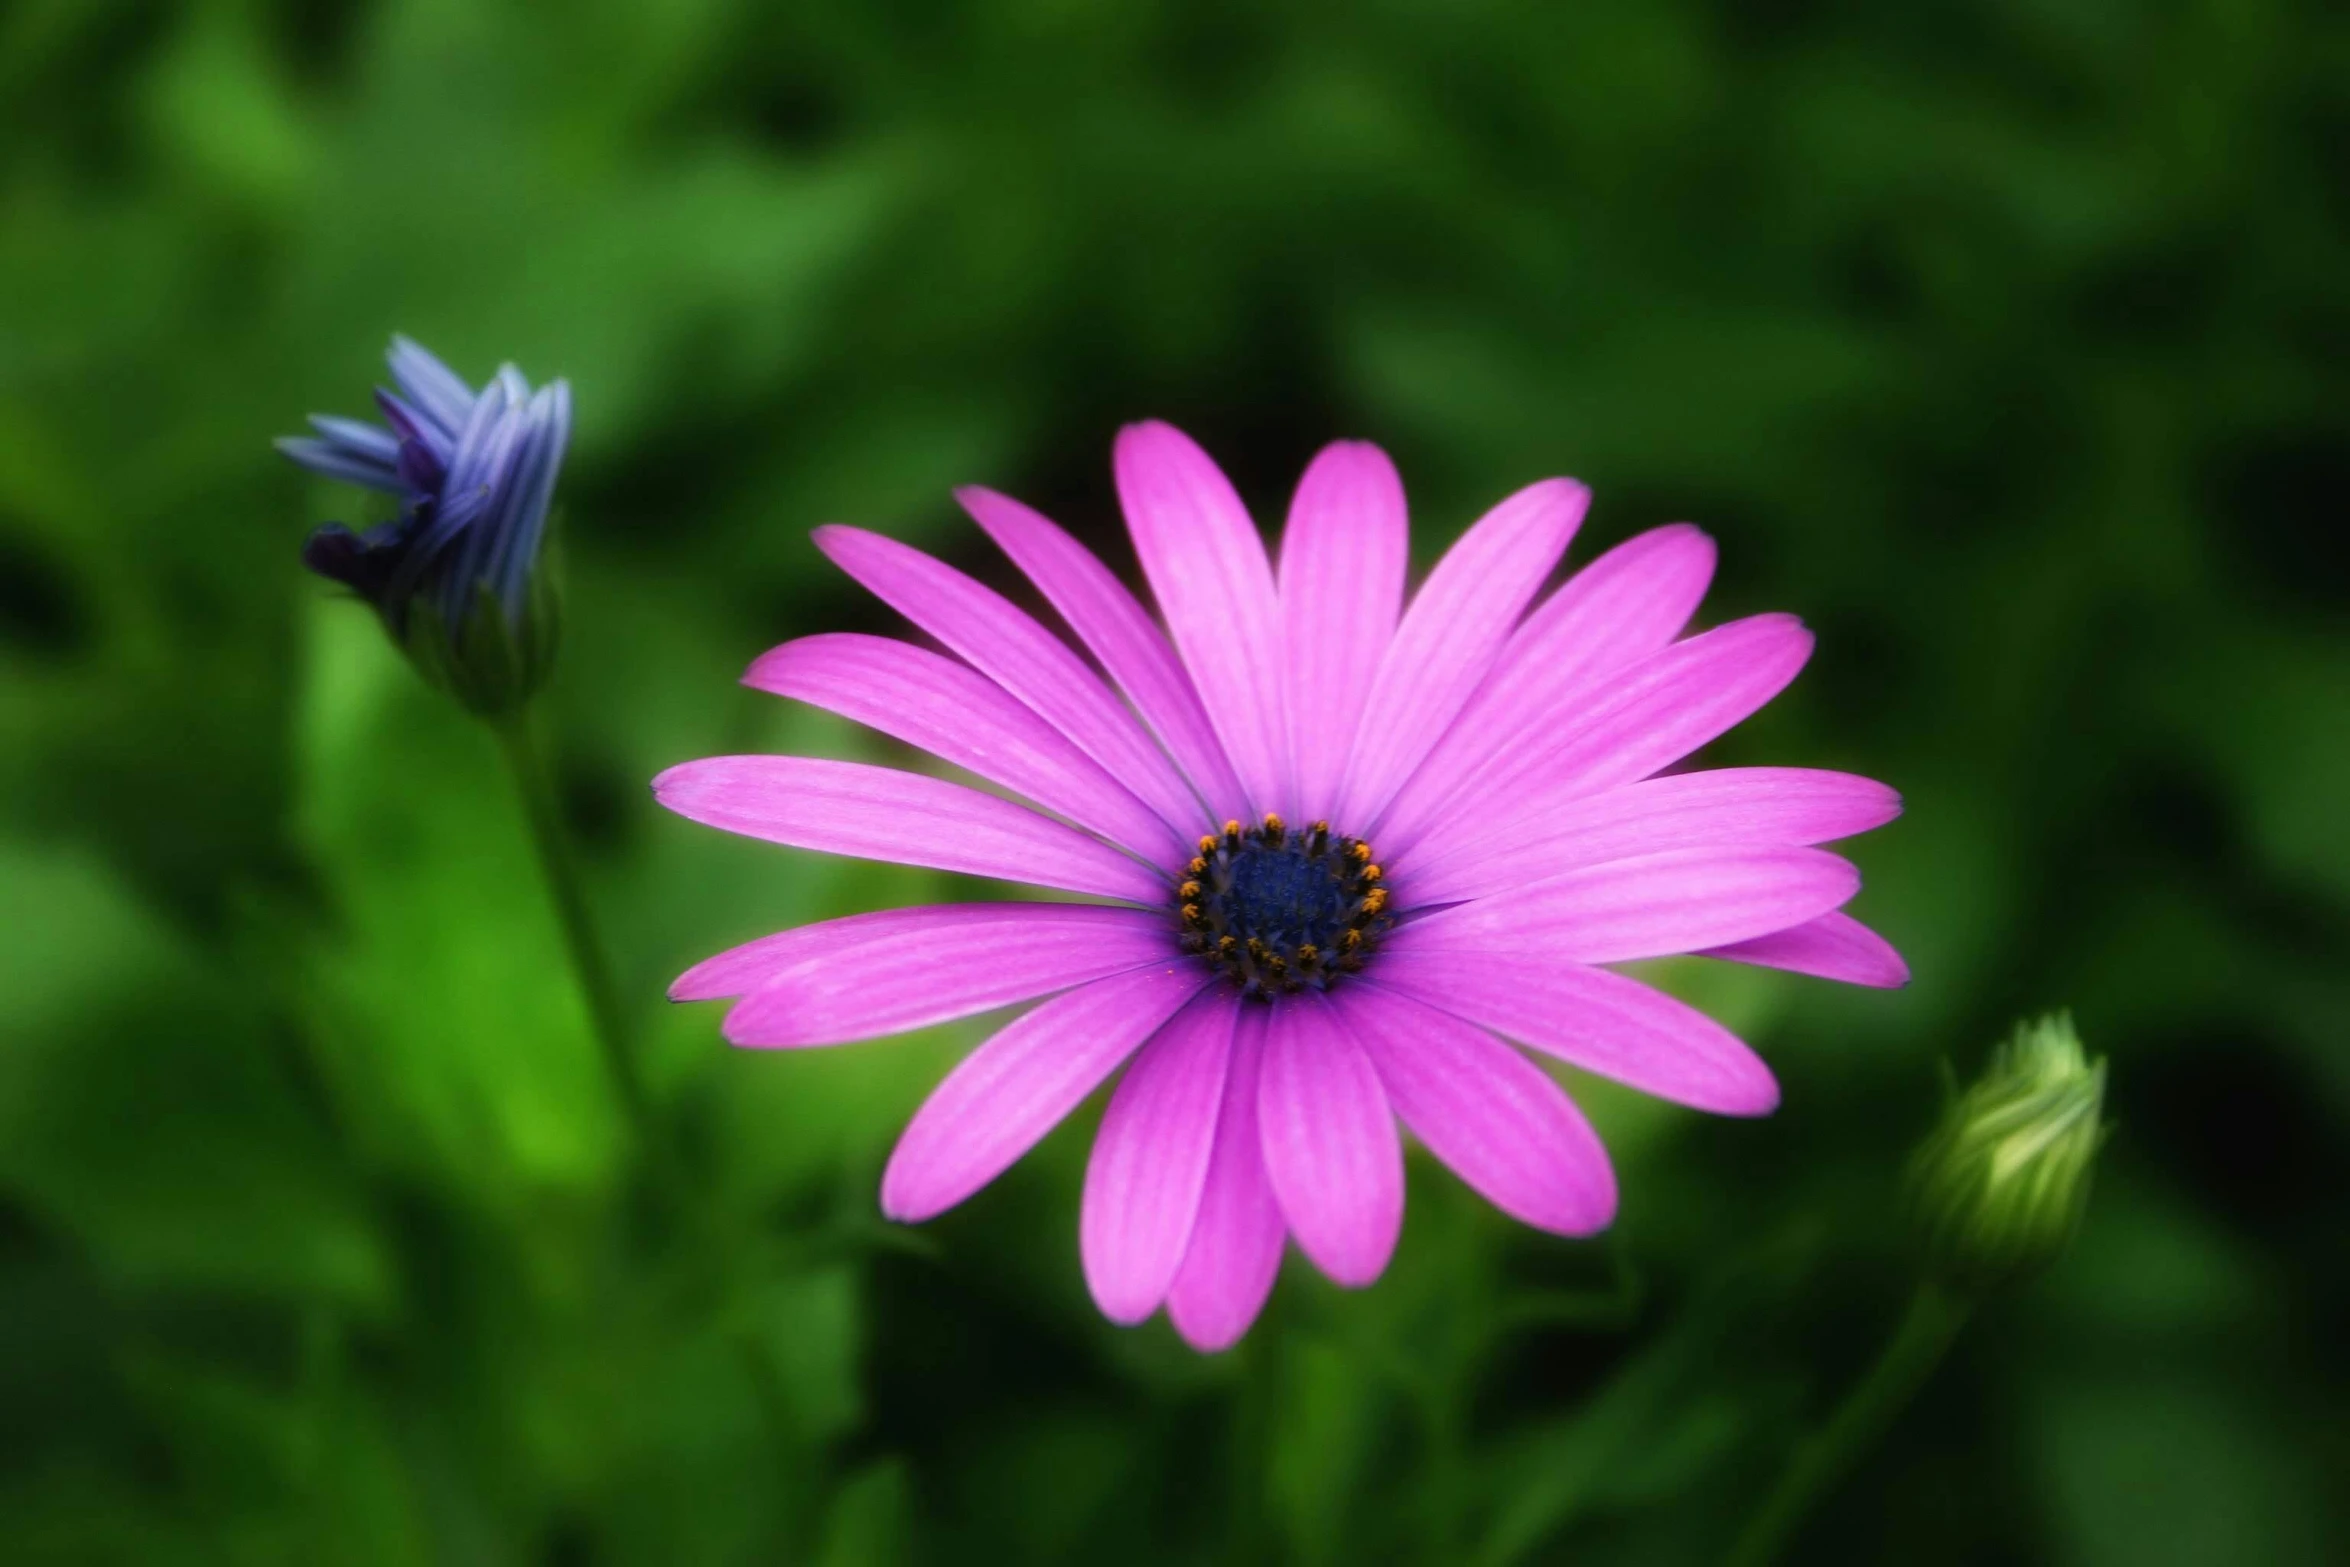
{"x":218,"y":102}
{"x":1045,"y":1483}
{"x":1667,"y":1415}
{"x":1327,"y":1421}
{"x":141,"y":1110}
{"x":869,"y":1523}
{"x":806,"y":1330}
{"x":2172,"y":1469}
{"x":454,"y":1030}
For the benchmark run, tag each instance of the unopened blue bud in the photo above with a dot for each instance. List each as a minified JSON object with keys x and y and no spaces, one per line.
{"x":457,"y":575}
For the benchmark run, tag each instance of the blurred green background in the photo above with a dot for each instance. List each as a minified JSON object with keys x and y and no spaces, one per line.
{"x":2006,"y":342}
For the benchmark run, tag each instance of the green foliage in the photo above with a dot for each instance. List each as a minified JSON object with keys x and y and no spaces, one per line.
{"x":2002,"y":341}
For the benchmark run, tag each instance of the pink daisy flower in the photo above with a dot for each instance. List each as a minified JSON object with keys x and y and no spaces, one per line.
{"x":1349,"y":856}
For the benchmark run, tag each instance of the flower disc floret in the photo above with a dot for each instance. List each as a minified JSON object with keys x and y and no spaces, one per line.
{"x":1277,"y":911}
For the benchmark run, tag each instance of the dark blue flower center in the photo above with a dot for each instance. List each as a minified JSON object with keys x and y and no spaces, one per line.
{"x":1279,"y":911}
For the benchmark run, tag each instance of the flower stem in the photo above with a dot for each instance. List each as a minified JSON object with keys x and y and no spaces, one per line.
{"x":1910,"y":1356}
{"x":561,"y":866}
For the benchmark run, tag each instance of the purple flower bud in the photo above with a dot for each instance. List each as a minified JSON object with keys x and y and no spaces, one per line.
{"x":455,"y":575}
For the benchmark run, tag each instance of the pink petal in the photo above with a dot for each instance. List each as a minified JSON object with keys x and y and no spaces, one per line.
{"x":1643,"y":718}
{"x":740,"y":970}
{"x":879,"y":813}
{"x":1491,"y":1115}
{"x":1207,"y":567}
{"x":1451,"y":635}
{"x":1150,"y":1159}
{"x":1834,"y":946}
{"x":984,"y":629}
{"x":1343,"y":557}
{"x":1684,"y":900}
{"x":1331,"y":1150}
{"x":892,"y":933}
{"x":899,"y":978}
{"x":1592,"y":1019}
{"x":959,"y":716}
{"x":1624,"y":606}
{"x":1752,"y":805}
{"x":1012,"y":1090}
{"x":1235,"y":1248}
{"x":1110,"y":621}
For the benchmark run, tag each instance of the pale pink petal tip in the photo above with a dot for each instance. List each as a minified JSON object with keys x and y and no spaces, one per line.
{"x":1451,"y":636}
{"x":1121,"y":634}
{"x":1236,"y":1240}
{"x":880,"y":813}
{"x":973,"y":958}
{"x":1207,"y":567}
{"x":1833,"y":946}
{"x":1345,"y":551}
{"x":1151,"y":1158}
{"x":1503,"y":1126}
{"x":1008,"y":646}
{"x":1330,"y":1143}
{"x":1012,"y":1090}
{"x":1601,"y":1022}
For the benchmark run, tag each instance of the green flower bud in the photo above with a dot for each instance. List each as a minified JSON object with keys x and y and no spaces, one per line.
{"x":1999,"y":1187}
{"x":491,"y":663}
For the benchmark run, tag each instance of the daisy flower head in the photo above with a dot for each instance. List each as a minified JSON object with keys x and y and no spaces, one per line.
{"x":1344,"y":858}
{"x":455,"y":574}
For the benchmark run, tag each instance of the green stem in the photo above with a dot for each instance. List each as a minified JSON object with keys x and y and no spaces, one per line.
{"x":561,"y":865}
{"x":1917,"y":1346}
